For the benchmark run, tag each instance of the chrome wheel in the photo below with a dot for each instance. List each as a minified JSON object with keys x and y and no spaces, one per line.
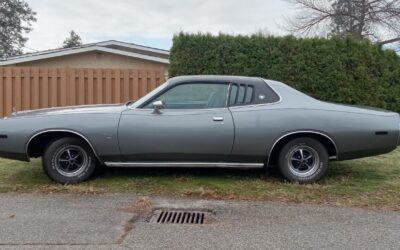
{"x":303,"y":161}
{"x":71,"y":161}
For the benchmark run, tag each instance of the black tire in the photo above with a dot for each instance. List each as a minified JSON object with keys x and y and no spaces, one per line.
{"x":69,"y":160}
{"x":303,"y":160}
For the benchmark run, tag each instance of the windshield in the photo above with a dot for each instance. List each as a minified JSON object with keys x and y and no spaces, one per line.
{"x":148,"y":95}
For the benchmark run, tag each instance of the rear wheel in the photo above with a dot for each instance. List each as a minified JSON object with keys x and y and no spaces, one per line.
{"x":303,"y":160}
{"x":69,"y":160}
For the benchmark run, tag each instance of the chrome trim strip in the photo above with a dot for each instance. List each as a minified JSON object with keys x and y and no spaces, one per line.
{"x":208,"y":109}
{"x":254,"y":105}
{"x":298,"y":132}
{"x":185,"y":164}
{"x":60,"y":130}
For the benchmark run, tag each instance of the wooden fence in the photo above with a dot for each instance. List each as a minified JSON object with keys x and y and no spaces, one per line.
{"x":25,"y":88}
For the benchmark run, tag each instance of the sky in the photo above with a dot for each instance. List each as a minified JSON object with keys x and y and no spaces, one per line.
{"x":150,"y":22}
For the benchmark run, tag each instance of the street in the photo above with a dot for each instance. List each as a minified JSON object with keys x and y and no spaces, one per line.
{"x":55,"y":221}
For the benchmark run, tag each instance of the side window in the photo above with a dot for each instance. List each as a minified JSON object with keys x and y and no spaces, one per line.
{"x":241,"y":94}
{"x":232,"y":99}
{"x":265,"y":95}
{"x":194,"y":96}
{"x":249,"y":94}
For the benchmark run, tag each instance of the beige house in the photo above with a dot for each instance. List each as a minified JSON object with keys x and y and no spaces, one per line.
{"x":108,"y":54}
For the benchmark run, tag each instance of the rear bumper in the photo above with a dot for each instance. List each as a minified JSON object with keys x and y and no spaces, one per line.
{"x":398,"y":140}
{"x":365,"y":153}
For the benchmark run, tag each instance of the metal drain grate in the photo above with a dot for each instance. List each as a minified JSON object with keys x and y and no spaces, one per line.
{"x":180,"y":217}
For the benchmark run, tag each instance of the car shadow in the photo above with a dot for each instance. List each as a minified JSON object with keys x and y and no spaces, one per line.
{"x":192,"y":172}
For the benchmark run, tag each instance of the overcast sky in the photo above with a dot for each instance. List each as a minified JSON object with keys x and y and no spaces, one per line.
{"x":150,"y":22}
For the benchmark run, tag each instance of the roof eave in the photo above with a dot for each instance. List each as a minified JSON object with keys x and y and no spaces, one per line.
{"x":82,"y":50}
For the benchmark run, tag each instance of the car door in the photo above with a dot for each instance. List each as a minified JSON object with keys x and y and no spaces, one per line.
{"x":257,"y":121}
{"x":193,"y":125}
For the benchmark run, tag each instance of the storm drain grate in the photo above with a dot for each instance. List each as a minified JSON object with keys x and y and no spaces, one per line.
{"x":180,"y":217}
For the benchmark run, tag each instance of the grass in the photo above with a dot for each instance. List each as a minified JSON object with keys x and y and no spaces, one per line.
{"x":370,"y":182}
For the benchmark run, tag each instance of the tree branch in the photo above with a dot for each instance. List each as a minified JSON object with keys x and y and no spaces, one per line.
{"x":389,"y":41}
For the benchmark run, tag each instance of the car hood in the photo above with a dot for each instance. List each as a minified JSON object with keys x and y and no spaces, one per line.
{"x":86,"y":109}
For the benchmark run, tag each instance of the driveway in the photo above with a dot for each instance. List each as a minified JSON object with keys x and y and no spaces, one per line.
{"x":29,"y":221}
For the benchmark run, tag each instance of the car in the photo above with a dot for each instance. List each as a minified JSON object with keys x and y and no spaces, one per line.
{"x":201,"y":121}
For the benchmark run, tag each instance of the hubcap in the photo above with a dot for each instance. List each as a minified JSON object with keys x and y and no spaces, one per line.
{"x":303,"y":161}
{"x":71,"y":161}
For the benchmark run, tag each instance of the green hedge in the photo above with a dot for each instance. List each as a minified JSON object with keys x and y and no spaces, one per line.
{"x":338,"y":70}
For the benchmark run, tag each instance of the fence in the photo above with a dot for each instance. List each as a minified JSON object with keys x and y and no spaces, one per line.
{"x":25,"y":88}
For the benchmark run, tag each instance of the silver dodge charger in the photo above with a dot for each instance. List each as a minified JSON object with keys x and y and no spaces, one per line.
{"x":201,"y":121}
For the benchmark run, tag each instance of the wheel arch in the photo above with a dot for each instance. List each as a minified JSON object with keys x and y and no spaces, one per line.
{"x":326,"y":140}
{"x":37,"y":143}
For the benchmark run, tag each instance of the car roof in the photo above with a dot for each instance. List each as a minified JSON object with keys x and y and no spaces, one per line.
{"x":216,"y":78}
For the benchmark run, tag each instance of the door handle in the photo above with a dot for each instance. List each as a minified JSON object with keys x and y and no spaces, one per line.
{"x":218,"y":119}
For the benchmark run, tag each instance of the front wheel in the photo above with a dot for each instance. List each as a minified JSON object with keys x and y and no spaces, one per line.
{"x":69,"y":160}
{"x":303,"y":160}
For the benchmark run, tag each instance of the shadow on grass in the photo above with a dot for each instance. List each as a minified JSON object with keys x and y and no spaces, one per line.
{"x":271,"y":172}
{"x":338,"y":171}
{"x":343,"y":178}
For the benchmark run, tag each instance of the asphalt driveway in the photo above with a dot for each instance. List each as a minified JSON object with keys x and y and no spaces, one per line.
{"x":29,"y":221}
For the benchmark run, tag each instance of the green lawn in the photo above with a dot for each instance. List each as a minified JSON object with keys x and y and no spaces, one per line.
{"x":369,"y":182}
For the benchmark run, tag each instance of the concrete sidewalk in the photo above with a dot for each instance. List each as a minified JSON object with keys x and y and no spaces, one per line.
{"x":100,"y":222}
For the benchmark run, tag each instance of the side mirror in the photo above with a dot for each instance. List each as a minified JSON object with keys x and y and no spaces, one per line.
{"x":158,"y":105}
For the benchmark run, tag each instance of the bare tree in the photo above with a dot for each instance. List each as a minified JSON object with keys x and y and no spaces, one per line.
{"x":378,"y":20}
